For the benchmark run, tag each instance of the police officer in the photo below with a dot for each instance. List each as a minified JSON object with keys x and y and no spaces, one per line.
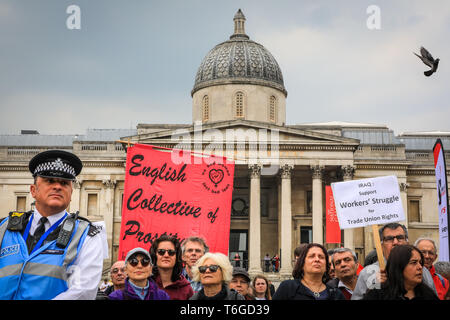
{"x":48,"y":253}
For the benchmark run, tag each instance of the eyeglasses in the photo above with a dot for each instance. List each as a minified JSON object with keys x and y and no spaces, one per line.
{"x":239,"y":281}
{"x":135,"y":261}
{"x":428,"y":253}
{"x":212,"y":268}
{"x":399,"y":238}
{"x":116,"y":270}
{"x":162,"y":252}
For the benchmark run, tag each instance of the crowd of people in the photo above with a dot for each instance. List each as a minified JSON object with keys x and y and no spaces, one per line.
{"x":188,"y":271}
{"x":48,"y":253}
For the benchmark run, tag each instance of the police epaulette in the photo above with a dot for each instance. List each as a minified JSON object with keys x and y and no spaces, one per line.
{"x":93,"y":230}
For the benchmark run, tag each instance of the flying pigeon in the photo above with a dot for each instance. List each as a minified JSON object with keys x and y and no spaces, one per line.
{"x":428,"y":59}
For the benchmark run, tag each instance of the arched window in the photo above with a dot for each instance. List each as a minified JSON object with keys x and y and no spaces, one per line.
{"x":272,"y":109}
{"x":239,"y":104}
{"x":205,"y":108}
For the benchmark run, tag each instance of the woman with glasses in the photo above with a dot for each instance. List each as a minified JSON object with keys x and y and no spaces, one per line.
{"x":138,"y":284}
{"x":167,"y":273}
{"x":404,"y":272}
{"x":214,"y":271}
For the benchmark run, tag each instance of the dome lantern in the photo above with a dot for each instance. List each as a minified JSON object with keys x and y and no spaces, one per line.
{"x":239,"y":26}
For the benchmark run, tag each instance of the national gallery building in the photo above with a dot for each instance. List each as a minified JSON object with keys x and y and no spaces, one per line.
{"x":239,"y":111}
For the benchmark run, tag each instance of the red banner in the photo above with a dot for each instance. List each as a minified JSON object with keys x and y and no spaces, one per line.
{"x":164,"y":195}
{"x":333,"y":231}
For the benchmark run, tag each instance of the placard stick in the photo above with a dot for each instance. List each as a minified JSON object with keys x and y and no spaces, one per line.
{"x":376,"y":239}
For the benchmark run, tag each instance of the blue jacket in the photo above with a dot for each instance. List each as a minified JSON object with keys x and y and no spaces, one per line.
{"x":154,"y":293}
{"x":41,"y":275}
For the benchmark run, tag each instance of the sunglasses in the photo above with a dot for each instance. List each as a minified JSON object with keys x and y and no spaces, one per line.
{"x":135,"y":261}
{"x":162,"y":252}
{"x":212,"y":268}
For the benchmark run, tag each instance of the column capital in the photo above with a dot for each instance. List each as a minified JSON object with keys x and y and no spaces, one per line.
{"x":109,"y":184}
{"x":403,"y":186}
{"x":286,"y":171}
{"x":255,"y":171}
{"x":347,"y":172}
{"x":317,"y":171}
{"x":77,"y":184}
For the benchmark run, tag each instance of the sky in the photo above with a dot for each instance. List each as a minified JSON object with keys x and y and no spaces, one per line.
{"x":135,"y":61}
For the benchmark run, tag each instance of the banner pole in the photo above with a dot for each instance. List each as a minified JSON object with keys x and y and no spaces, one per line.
{"x":376,"y":239}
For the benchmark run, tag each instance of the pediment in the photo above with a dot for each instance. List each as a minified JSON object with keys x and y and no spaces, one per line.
{"x":242,"y":130}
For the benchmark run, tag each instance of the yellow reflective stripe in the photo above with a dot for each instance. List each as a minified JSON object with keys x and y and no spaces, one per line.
{"x":73,"y":245}
{"x":11,"y":270}
{"x":45,"y":270}
{"x":3,"y":230}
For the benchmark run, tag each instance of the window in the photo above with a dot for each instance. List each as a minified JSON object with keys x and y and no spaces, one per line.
{"x":414,"y":210}
{"x":309,"y":202}
{"x":92,"y":204}
{"x":21,"y":204}
{"x":205,"y":108}
{"x":239,"y":104}
{"x":305,"y":234}
{"x":272,"y":108}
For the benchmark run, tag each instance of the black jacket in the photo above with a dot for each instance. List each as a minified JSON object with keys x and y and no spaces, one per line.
{"x":295,"y":290}
{"x":381,"y":294}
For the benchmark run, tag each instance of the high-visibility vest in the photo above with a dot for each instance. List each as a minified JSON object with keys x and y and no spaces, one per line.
{"x":41,"y":275}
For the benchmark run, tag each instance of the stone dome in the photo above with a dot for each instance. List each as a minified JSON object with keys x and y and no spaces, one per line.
{"x":239,"y":61}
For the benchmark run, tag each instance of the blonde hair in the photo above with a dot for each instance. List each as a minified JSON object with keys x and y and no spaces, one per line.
{"x":220,"y":259}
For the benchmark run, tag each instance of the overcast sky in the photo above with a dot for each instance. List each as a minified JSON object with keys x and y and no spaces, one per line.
{"x":135,"y":61}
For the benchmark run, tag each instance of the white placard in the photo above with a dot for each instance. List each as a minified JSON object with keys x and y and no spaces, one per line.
{"x":365,"y":202}
{"x":100,"y":225}
{"x":442,"y":192}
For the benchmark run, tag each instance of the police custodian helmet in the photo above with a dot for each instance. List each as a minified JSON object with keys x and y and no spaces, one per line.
{"x":55,"y":164}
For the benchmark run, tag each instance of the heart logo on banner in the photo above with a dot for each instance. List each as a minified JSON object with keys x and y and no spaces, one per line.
{"x":216,"y":176}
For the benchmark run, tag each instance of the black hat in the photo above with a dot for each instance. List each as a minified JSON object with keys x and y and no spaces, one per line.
{"x":241,"y":272}
{"x":55,"y":164}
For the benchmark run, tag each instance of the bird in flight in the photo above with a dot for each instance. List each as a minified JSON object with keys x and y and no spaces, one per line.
{"x":428,"y":59}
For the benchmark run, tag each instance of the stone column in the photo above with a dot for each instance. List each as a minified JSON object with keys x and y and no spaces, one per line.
{"x":254,"y":266}
{"x":75,"y":201}
{"x":285,"y":221}
{"x":349,"y":242}
{"x":404,"y":196}
{"x":108,"y":210}
{"x":317,"y":203}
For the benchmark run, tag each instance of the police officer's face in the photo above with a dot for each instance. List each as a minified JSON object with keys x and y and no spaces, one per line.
{"x":52,"y":195}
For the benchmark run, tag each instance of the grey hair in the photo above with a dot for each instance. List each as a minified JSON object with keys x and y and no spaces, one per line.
{"x":428,"y":239}
{"x":342,"y":250}
{"x":220,"y":259}
{"x":443,"y":268}
{"x":194,"y":239}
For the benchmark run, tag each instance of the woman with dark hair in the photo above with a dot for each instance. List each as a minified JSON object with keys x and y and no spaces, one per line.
{"x":404,"y":277}
{"x":262,"y":289}
{"x":168,"y":266}
{"x":311,"y":273}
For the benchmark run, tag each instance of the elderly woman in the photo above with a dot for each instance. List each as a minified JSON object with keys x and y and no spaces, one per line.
{"x":214,"y":271}
{"x":166,"y":255}
{"x":310,"y":274}
{"x":404,"y":277}
{"x":138,"y":284}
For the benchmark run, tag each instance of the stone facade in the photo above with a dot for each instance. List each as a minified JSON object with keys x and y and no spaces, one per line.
{"x":279,"y":194}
